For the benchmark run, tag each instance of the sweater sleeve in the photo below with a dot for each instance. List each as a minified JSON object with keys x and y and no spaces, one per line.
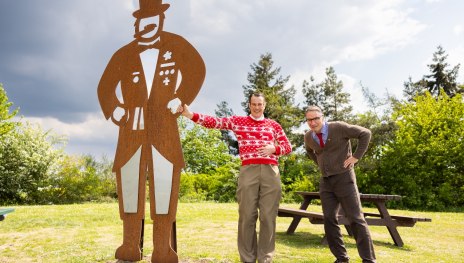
{"x":309,"y":151}
{"x":211,"y":122}
{"x":284,"y":147}
{"x":363,"y":135}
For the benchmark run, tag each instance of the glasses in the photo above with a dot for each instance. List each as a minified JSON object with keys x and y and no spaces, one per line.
{"x":313,"y":119}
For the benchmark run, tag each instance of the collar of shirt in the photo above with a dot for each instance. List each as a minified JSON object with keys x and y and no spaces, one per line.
{"x":324,"y":131}
{"x":257,"y":119}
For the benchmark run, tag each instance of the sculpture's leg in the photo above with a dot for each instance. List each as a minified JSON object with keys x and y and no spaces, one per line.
{"x":162,"y":248}
{"x":131,"y":192}
{"x":130,"y":249}
{"x":164,"y":183}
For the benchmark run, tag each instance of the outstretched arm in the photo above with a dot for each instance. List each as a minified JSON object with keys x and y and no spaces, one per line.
{"x":206,"y":121}
{"x":185,"y":111}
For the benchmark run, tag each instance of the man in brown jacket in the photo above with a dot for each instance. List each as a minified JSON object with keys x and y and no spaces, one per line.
{"x":328,"y":144}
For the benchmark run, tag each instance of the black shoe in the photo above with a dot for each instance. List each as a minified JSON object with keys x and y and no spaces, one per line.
{"x":342,"y":261}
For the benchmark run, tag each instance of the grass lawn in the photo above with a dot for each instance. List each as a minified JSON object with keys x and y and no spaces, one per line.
{"x":206,"y":232}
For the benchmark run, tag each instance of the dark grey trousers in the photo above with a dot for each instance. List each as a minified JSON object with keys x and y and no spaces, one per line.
{"x":341,"y":190}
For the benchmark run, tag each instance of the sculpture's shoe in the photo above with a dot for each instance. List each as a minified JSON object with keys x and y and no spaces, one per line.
{"x":129,"y":253}
{"x":165,"y":256}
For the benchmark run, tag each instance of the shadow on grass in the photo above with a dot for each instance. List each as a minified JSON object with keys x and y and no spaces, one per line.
{"x":299,"y":239}
{"x":305,"y":239}
{"x":391,"y":245}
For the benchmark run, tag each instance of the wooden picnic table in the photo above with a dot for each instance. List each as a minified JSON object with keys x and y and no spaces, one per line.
{"x":383,"y":218}
{"x":4,"y":211}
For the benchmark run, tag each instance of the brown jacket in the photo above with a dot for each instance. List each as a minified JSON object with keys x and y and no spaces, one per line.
{"x":337,"y":147}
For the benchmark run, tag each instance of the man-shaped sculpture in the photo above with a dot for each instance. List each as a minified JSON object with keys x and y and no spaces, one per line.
{"x":139,"y":90}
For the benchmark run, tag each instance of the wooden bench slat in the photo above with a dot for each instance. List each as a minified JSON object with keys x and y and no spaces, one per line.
{"x":364,"y":197}
{"x":290,"y":212}
{"x":416,"y":219}
{"x":314,"y":217}
{"x":404,"y":218}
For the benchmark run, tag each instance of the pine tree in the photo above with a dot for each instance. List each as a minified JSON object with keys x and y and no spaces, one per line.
{"x":329,"y":96}
{"x":440,"y":77}
{"x":280,"y":102}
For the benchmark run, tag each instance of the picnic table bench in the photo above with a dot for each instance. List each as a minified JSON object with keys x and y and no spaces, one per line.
{"x":383,"y":218}
{"x":4,"y":211}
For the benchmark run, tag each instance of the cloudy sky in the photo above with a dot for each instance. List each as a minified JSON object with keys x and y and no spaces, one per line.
{"x":53,"y":52}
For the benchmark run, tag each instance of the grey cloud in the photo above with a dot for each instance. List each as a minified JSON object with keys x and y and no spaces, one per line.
{"x":53,"y":52}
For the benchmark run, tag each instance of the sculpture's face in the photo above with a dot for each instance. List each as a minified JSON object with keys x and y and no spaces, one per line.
{"x":147,"y":29}
{"x":257,"y":106}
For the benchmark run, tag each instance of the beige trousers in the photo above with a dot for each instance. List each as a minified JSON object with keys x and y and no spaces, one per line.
{"x":258,"y":189}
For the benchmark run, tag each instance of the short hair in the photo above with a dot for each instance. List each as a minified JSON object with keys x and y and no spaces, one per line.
{"x":256,"y":94}
{"x":314,"y":108}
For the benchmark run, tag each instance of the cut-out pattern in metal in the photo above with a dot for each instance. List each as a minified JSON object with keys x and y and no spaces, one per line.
{"x":142,"y":86}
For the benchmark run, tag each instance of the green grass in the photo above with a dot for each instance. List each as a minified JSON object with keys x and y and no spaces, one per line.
{"x":206,"y":232}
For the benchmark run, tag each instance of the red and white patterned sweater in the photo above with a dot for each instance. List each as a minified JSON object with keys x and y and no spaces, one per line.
{"x":251,"y":135}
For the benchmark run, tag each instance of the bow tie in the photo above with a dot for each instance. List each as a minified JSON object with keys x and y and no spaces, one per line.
{"x":154,"y":45}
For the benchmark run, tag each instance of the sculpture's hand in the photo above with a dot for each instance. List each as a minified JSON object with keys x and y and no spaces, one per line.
{"x":174,"y":104}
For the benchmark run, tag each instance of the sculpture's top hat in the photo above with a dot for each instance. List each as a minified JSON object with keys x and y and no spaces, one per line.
{"x":150,"y":8}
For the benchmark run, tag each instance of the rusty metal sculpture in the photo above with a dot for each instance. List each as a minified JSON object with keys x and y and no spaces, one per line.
{"x":139,"y":91}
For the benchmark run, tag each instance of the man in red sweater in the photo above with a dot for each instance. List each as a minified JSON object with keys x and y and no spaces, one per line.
{"x":261,"y":141}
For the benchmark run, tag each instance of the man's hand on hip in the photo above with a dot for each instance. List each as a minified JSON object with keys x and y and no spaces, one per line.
{"x":350,"y":162}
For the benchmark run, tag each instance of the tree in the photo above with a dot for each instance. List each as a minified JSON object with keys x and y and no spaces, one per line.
{"x":204,"y":151}
{"x":280,"y":101}
{"x":425,"y":161}
{"x":27,"y":159}
{"x":378,"y":120}
{"x":227,"y":136}
{"x":79,"y":179}
{"x":329,"y":96}
{"x":440,"y":77}
{"x":210,"y":172}
{"x":298,"y":173}
{"x":5,"y":115}
{"x":35,"y":170}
